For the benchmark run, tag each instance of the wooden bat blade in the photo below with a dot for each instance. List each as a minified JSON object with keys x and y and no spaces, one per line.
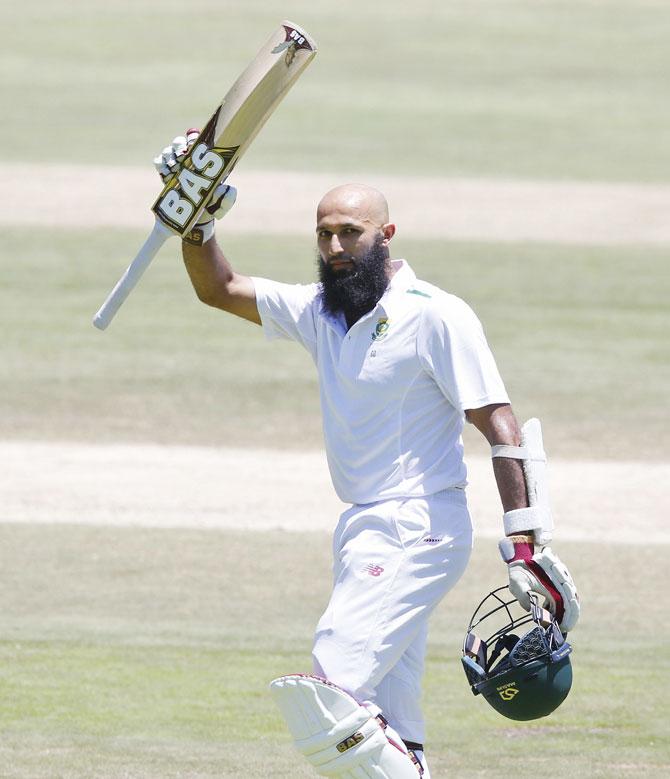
{"x":236,"y":122}
{"x":226,"y":136}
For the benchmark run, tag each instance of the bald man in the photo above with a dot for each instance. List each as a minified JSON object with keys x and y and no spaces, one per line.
{"x":401,"y":365}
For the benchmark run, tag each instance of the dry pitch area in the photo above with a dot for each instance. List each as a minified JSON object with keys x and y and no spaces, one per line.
{"x":263,"y":489}
{"x":283,"y":203}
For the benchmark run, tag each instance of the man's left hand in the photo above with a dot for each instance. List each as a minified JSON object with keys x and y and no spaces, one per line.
{"x":544,"y":574}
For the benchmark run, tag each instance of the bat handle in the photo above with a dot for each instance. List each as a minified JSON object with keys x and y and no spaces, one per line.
{"x":134,"y":271}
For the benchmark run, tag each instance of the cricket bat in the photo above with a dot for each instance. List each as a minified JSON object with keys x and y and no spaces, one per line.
{"x":224,"y":139}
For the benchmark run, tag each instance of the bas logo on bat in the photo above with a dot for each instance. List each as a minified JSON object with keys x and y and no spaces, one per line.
{"x":196,"y":180}
{"x":243,"y":111}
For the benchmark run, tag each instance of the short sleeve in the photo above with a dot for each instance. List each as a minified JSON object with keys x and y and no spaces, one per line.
{"x":453,"y":349}
{"x":287,"y":310}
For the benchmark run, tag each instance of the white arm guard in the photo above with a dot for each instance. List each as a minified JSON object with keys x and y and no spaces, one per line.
{"x":537,"y":517}
{"x":337,"y":735}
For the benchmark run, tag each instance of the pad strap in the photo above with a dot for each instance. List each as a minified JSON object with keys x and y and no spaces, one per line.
{"x":520,"y":520}
{"x":414,"y":745}
{"x":513,"y":452}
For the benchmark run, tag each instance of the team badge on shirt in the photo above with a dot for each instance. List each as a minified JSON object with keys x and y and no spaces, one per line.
{"x":381,"y":329}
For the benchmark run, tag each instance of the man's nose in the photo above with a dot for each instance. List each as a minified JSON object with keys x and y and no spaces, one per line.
{"x":335,"y":246}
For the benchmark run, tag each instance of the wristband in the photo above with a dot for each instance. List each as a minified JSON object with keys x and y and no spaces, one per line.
{"x":519,"y":547}
{"x":200,"y":234}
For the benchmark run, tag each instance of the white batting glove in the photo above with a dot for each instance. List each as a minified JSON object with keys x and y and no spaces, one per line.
{"x":167,"y":162}
{"x":223,"y":197}
{"x":543,"y":574}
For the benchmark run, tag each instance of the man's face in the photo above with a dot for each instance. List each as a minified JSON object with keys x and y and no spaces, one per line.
{"x":353,"y":233}
{"x":344,"y":239}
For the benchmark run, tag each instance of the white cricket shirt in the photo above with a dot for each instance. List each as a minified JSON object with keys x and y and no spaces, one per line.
{"x":394,"y":387}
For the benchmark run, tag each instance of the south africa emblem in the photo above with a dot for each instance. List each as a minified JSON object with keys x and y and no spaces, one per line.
{"x":381,"y":329}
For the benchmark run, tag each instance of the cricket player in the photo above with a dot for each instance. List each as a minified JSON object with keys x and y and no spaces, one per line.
{"x":401,"y":365}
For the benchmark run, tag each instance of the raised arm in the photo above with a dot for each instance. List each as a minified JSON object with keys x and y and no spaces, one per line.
{"x":216,"y":283}
{"x":213,"y":278}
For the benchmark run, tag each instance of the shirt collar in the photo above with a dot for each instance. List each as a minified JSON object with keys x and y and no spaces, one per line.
{"x":403,"y":278}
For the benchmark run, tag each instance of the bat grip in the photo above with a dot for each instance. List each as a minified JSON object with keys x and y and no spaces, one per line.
{"x":134,"y":271}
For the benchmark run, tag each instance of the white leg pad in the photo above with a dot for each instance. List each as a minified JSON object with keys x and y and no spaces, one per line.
{"x":337,"y":735}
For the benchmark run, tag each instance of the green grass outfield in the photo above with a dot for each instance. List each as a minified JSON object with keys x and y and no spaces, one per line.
{"x":147,"y":653}
{"x":519,"y":88}
{"x":140,"y":654}
{"x":580,"y":335}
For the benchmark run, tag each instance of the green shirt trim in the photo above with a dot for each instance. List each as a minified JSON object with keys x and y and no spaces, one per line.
{"x":418,"y":292}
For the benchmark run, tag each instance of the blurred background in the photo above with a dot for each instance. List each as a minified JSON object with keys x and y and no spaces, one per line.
{"x":524,"y":149}
{"x":546,"y":92}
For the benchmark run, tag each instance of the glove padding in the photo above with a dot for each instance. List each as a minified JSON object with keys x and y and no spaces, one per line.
{"x":544,"y":574}
{"x":222,"y":200}
{"x":167,"y":162}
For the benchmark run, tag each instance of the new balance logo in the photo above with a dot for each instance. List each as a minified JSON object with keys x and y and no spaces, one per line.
{"x":373,"y":570}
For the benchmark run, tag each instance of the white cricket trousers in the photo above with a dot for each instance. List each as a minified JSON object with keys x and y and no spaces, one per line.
{"x":393,"y":563}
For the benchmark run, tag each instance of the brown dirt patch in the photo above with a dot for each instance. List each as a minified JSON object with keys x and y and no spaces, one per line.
{"x":259,"y":489}
{"x":284,"y":202}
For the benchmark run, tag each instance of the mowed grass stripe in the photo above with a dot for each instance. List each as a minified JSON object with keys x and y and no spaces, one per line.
{"x":559,"y":89}
{"x":579,"y":334}
{"x":146,"y":653}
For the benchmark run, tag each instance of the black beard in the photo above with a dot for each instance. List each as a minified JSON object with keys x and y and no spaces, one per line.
{"x":355,"y":291}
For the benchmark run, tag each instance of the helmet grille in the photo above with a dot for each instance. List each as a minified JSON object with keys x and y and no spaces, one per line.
{"x":529,"y":647}
{"x":522,"y":678}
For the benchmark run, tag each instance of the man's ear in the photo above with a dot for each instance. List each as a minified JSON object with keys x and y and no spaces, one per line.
{"x":388,"y":231}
